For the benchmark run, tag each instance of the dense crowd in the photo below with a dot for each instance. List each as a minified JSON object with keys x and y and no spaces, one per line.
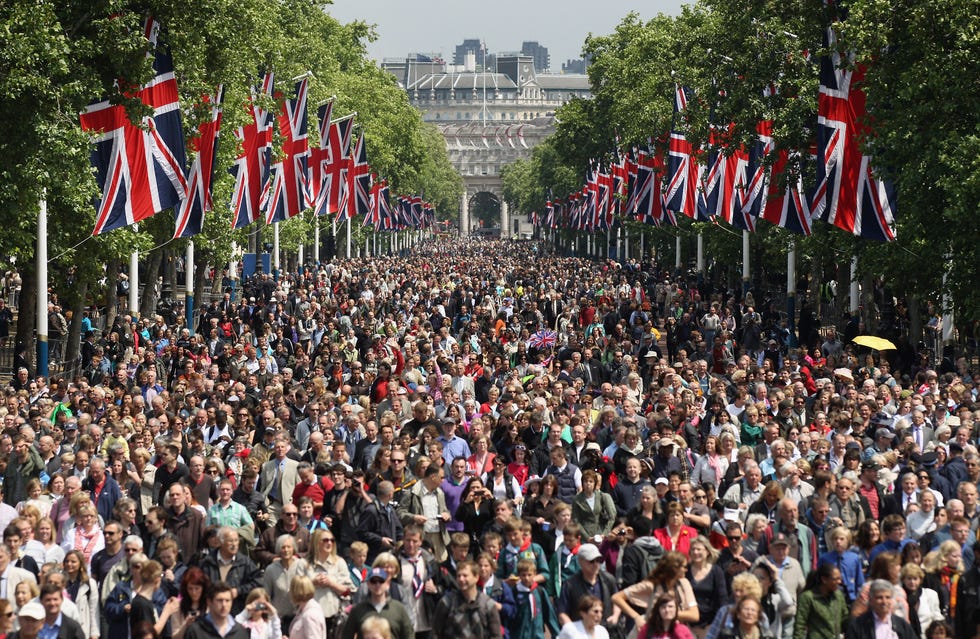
{"x":484,"y":440}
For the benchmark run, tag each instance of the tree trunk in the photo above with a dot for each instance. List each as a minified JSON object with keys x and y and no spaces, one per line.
{"x":75,"y":328}
{"x":148,"y":302}
{"x":111,"y":279}
{"x":915,"y":320}
{"x":170,"y":273}
{"x":201,"y":290}
{"x":869,"y":306}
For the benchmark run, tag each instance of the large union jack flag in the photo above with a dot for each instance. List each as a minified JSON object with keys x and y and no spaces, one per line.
{"x":358,"y":182}
{"x":724,"y":183}
{"x":190,"y":213}
{"x":251,"y":168}
{"x":139,"y":167}
{"x":650,"y":207}
{"x":848,"y":195}
{"x":319,"y":158}
{"x":765,"y":197}
{"x":334,"y":191}
{"x":683,"y":170}
{"x":287,"y":196}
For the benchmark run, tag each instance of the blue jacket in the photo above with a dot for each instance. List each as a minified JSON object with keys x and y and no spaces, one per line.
{"x":851,"y":574}
{"x":107,"y":498}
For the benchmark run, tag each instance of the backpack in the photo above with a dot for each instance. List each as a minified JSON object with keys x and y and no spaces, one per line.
{"x":651,"y":558}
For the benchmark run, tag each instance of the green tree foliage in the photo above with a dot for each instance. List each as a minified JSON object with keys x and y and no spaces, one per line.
{"x":56,"y":57}
{"x":922,"y":95}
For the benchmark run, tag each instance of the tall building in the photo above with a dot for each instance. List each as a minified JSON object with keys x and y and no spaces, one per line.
{"x":540,"y":55}
{"x":576,"y":65}
{"x":471,"y":45}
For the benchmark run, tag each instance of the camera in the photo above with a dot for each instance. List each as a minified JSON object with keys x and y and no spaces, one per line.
{"x":261,"y":606}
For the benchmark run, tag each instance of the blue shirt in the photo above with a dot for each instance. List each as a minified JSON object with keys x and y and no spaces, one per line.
{"x":849,"y":564}
{"x":50,"y":632}
{"x":453,"y":448}
{"x":887,"y":545}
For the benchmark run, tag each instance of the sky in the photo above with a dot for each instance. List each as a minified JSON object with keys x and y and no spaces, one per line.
{"x":425,"y":26}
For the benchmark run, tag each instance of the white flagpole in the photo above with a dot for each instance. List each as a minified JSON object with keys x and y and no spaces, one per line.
{"x":745,"y":262}
{"x":275,"y":248}
{"x":316,"y":240}
{"x":189,"y":284}
{"x":134,"y":279}
{"x":41,"y":260}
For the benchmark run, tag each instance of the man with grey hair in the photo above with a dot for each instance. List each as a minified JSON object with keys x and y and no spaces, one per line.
{"x":131,"y":545}
{"x":879,"y":620}
{"x":747,"y":491}
{"x":232,"y":567}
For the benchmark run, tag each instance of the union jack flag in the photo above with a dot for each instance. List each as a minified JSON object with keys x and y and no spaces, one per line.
{"x":724,"y":184}
{"x":319,"y":158}
{"x":190,"y":213}
{"x":334,"y":190}
{"x":848,"y":195}
{"x":765,"y":197}
{"x":650,"y":206}
{"x":287,"y":196}
{"x":358,"y":182}
{"x":139,"y":167}
{"x":251,"y":169}
{"x":682,"y":167}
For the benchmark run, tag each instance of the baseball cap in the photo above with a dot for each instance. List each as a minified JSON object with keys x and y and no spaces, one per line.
{"x":32,"y":610}
{"x":884,"y":432}
{"x":378,"y":573}
{"x":588,"y":552}
{"x":661,"y":480}
{"x":779,"y":539}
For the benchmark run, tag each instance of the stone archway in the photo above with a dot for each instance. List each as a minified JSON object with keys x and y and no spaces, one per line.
{"x":477,"y":193}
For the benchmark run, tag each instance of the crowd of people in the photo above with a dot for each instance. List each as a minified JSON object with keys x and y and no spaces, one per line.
{"x":485,"y":440}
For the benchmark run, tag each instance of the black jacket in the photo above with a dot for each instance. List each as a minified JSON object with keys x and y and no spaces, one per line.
{"x":243,"y":575}
{"x":204,"y":629}
{"x":863,"y":627}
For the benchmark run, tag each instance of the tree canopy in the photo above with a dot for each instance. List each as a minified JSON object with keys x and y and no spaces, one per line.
{"x":56,"y":57}
{"x":749,"y":60}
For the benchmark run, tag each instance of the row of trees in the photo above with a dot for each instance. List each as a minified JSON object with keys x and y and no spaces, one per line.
{"x":57,"y":56}
{"x":921,"y":91}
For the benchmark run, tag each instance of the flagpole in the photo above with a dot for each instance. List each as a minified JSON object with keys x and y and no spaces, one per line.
{"x":275,"y":248}
{"x":349,"y":221}
{"x":189,"y":285}
{"x":855,"y":304}
{"x":791,"y":292}
{"x":41,"y":260}
{"x":300,"y":256}
{"x":316,"y":239}
{"x":643,"y":241}
{"x":134,"y":279}
{"x":700,"y":253}
{"x":677,"y":253}
{"x":745,"y":262}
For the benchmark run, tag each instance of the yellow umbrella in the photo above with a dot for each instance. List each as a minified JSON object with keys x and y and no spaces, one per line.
{"x":876,"y":343}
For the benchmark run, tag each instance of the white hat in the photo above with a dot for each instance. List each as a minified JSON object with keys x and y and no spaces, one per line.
{"x":588,"y":552}
{"x":32,"y":610}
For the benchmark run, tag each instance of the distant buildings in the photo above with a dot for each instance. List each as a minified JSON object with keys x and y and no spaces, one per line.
{"x":538,"y":53}
{"x":488,"y":117}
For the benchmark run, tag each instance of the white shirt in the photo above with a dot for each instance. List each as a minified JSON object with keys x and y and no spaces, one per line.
{"x":576,"y":630}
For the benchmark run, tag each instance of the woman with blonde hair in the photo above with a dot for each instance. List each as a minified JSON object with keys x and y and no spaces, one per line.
{"x":83,"y":591}
{"x":943,"y":568}
{"x":744,"y":585}
{"x":707,"y":581}
{"x":924,"y":606}
{"x":86,"y":535}
{"x":309,"y":622}
{"x":330,"y":576}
